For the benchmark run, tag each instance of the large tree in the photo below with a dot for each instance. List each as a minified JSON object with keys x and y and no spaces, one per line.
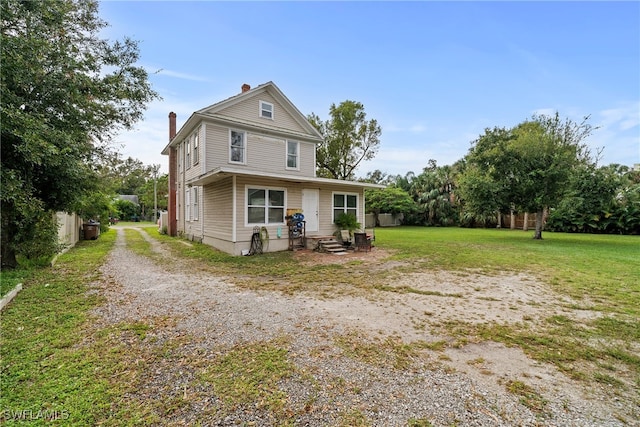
{"x":349,"y":139}
{"x":527,"y":167}
{"x":65,"y":93}
{"x":393,"y":200}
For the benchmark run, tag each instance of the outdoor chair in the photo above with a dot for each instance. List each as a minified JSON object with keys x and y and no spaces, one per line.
{"x":345,"y":236}
{"x":362,"y":242}
{"x":371,"y":233}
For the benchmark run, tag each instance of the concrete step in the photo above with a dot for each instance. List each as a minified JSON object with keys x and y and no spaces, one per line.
{"x":331,"y":246}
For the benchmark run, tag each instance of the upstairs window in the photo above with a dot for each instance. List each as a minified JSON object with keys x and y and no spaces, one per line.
{"x":187,"y":154}
{"x":266,"y":110}
{"x":196,"y":151}
{"x":237,"y":147}
{"x":292,"y":154}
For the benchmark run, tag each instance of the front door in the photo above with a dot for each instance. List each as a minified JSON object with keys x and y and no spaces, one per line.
{"x":310,"y":200}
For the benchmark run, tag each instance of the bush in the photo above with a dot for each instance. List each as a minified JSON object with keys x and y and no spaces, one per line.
{"x":37,"y":240}
{"x":347,"y":221}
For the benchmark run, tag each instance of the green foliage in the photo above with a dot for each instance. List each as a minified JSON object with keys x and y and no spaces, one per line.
{"x":526,"y":168}
{"x":349,"y":139}
{"x":126,"y":209}
{"x":346,"y":221}
{"x":599,"y":200}
{"x":477,"y":192}
{"x":392,"y":200}
{"x":65,"y":92}
{"x":37,"y":240}
{"x":97,"y":206}
{"x":48,"y":361}
{"x":434,"y":193}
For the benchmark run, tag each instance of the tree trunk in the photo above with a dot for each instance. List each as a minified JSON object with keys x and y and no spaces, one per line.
{"x":539,"y":224}
{"x":8,"y":253}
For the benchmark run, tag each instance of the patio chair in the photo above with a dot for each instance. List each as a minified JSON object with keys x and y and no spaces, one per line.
{"x":371,"y":233}
{"x":362,"y":242}
{"x":345,"y":236}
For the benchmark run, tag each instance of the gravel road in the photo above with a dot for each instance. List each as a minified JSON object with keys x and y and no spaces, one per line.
{"x":203,"y":316}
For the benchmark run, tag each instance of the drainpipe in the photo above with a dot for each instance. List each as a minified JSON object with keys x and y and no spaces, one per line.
{"x":173,"y":177}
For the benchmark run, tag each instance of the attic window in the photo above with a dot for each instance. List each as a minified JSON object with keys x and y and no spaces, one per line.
{"x":266,"y":110}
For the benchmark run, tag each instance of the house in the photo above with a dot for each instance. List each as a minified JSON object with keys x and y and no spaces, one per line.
{"x":248,"y":163}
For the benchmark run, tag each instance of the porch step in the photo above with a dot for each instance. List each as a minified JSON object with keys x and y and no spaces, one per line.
{"x":331,"y":246}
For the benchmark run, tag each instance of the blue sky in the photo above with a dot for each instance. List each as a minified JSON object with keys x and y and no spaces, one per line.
{"x":433,"y":74}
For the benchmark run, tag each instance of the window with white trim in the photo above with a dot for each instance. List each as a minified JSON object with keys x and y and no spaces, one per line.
{"x":187,"y":204}
{"x":194,"y":199}
{"x":265,"y":205}
{"x":293,"y":149}
{"x":237,"y":146}
{"x":187,"y":154}
{"x":196,"y":150}
{"x":180,"y":157}
{"x":266,"y":110}
{"x":345,"y":203}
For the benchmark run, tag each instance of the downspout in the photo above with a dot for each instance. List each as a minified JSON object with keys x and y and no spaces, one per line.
{"x":233,"y":209}
{"x":364,"y":210}
{"x":172,"y":225}
{"x":203,"y":164}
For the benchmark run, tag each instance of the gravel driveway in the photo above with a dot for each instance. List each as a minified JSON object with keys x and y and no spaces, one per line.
{"x":199,"y":318}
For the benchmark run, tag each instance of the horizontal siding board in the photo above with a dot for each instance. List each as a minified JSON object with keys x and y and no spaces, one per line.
{"x":218,"y":209}
{"x":249,"y":110}
{"x":217,"y":146}
{"x":191,"y":171}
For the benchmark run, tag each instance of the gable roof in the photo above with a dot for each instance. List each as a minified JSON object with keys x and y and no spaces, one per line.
{"x":212,"y":112}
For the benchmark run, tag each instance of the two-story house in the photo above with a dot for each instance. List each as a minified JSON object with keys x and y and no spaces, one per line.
{"x":247,"y":162}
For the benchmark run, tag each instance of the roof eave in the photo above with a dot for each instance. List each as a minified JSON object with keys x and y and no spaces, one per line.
{"x":222,"y":172}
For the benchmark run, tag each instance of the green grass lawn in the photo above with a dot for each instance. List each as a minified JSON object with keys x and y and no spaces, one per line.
{"x":53,"y":359}
{"x":601,"y":266}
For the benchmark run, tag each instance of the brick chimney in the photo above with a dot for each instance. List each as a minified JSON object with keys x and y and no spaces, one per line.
{"x":172,"y":125}
{"x":245,"y":88}
{"x":172,"y":226}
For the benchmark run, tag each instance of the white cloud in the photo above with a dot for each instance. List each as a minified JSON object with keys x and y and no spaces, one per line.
{"x":179,"y":75}
{"x":412,"y":128}
{"x":624,"y":118}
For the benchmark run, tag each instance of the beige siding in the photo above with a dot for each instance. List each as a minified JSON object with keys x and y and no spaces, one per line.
{"x":244,"y":230}
{"x":308,"y":159}
{"x":218,"y":210}
{"x":217,"y":205}
{"x":263,"y":153}
{"x":326,"y":225}
{"x":217,"y":146}
{"x":190,"y":170}
{"x":249,"y":110}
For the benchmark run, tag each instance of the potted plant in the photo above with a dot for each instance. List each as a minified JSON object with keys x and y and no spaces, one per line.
{"x":347,"y":222}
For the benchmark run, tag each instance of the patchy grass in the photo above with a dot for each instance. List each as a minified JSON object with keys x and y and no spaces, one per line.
{"x":529,"y":397}
{"x":56,"y":362}
{"x":388,"y":351}
{"x":599,"y":271}
{"x":419,"y":422}
{"x":249,"y":374}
